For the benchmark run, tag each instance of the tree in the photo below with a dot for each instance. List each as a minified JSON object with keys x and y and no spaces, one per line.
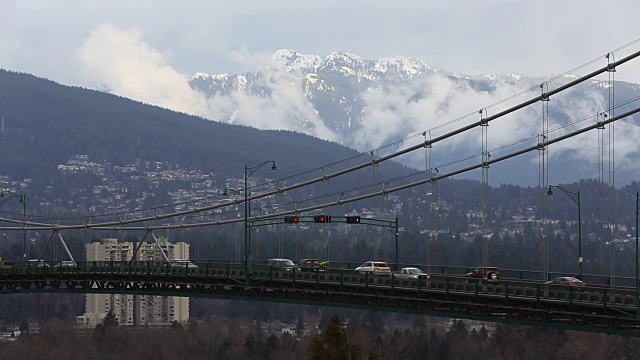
{"x":373,"y":321}
{"x":253,"y":346}
{"x":458,"y":331}
{"x":332,"y":344}
{"x":223,"y":351}
{"x":300,"y":327}
{"x":110,"y":320}
{"x":24,"y":326}
{"x":272,"y":345}
{"x":177,"y":326}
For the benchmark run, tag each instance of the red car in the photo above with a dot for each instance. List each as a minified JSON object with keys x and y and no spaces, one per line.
{"x":486,"y":273}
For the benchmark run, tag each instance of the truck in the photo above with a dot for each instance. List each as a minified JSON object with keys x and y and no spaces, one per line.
{"x":410,"y":273}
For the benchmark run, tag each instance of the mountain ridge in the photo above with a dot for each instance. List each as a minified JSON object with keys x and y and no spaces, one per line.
{"x":366,"y":104}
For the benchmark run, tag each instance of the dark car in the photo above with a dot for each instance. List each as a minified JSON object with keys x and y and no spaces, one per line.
{"x":311,"y":265}
{"x":485,"y":273}
{"x":280,"y":264}
{"x":568,"y":281}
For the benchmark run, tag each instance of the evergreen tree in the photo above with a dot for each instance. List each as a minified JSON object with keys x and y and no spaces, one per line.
{"x":272,"y":345}
{"x":300,"y":327}
{"x":332,"y":344}
{"x":24,"y":326}
{"x":110,"y":320}
{"x":223,"y":351}
{"x":251,"y":345}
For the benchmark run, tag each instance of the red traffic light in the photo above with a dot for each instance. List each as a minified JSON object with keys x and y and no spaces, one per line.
{"x":291,"y":219}
{"x":322,"y":219}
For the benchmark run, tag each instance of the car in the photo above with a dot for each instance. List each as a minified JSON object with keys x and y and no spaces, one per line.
{"x":411,"y":273}
{"x":65,"y":263}
{"x":485,"y":273}
{"x":181,"y":263}
{"x":311,"y":265}
{"x":374,"y":267}
{"x":37,"y":263}
{"x":568,"y":281}
{"x":280,"y":264}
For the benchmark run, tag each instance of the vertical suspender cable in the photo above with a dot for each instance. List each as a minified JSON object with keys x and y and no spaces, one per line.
{"x":485,"y":187}
{"x":545,"y":102}
{"x":386,"y":216}
{"x":612,"y":198}
{"x":543,"y":181}
{"x":374,"y":168}
{"x":601,"y":194}
{"x":298,"y":252}
{"x":237,"y":234}
{"x":327,"y":189}
{"x":428,"y":197}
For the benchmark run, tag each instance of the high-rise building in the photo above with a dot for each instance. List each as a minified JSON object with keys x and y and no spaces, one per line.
{"x":135,"y":309}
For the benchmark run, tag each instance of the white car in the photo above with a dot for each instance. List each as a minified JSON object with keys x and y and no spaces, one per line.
{"x":374,"y":267}
{"x":182,"y":264}
{"x":411,"y":273}
{"x":65,"y":263}
{"x":37,"y":263}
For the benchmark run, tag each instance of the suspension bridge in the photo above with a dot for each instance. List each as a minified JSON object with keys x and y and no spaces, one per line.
{"x":608,"y":305}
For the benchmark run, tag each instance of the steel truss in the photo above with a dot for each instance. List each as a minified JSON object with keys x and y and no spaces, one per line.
{"x":440,"y":303}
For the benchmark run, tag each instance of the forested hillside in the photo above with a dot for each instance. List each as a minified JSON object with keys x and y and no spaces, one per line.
{"x":46,"y":123}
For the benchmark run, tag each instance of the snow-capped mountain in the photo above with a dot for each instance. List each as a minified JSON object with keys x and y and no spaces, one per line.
{"x":366,"y":104}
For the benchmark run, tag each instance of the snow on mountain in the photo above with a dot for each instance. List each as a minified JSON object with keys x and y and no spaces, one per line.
{"x":297,"y":62}
{"x":365,"y":104}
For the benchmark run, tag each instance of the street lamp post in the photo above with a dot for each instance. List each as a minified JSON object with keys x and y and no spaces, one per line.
{"x":575,"y":196}
{"x":248,"y":261}
{"x":23,"y":199}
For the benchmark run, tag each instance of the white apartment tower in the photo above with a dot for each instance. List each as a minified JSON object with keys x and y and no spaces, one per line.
{"x":135,"y":309}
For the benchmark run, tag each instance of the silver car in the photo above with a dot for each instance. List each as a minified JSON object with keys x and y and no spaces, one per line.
{"x":37,"y":263}
{"x":182,"y":264}
{"x":374,"y":267}
{"x":280,"y":264}
{"x":65,"y":263}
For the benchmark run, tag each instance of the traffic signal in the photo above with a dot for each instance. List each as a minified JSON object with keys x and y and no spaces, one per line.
{"x":291,"y":219}
{"x":322,"y":219}
{"x":353,"y":219}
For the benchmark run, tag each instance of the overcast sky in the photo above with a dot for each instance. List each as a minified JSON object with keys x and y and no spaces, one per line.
{"x":539,"y":38}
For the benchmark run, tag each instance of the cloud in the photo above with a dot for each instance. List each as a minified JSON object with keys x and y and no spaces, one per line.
{"x":124,"y":63}
{"x":595,"y":146}
{"x":281,"y":105}
{"x":247,"y":58}
{"x":393,"y":113}
{"x":436,"y":105}
{"x":120,"y":60}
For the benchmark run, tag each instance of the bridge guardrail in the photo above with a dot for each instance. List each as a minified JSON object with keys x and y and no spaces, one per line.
{"x":595,"y":294}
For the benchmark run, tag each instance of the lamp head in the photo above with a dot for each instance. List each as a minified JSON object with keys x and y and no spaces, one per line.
{"x":274,"y":167}
{"x":549,"y":191}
